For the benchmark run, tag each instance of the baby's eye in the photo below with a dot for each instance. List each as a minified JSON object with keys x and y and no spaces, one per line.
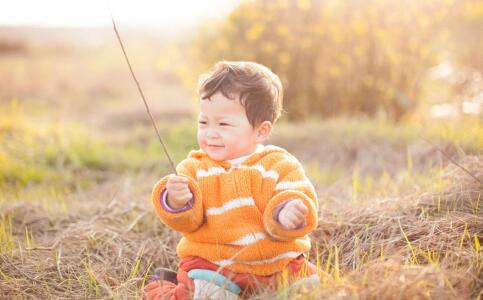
{"x":202,"y":122}
{"x":224,"y":124}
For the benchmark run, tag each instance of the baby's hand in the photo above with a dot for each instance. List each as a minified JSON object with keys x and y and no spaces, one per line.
{"x":178,"y":191}
{"x":293,"y":214}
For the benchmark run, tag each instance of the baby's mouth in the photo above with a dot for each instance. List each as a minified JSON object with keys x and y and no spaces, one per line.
{"x":214,"y":146}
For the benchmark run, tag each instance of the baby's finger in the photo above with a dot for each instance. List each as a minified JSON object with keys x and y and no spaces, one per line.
{"x":177,"y":186}
{"x":186,"y":196}
{"x":301,"y":207}
{"x":297,"y":218}
{"x":178,"y":178}
{"x":293,"y":218}
{"x":180,"y":193}
{"x":296,"y":213}
{"x":294,"y":203}
{"x":289,"y":224}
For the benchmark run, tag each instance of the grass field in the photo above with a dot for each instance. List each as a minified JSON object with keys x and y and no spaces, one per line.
{"x":400,"y":203}
{"x":397,"y":218}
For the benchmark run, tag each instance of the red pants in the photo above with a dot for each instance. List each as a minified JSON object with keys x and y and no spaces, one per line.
{"x":297,"y":268}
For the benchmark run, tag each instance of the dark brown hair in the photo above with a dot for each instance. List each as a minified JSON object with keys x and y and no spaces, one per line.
{"x":259,"y":90}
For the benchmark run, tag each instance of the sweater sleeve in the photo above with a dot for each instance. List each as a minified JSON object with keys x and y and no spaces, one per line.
{"x":184,"y":221}
{"x":291,"y":184}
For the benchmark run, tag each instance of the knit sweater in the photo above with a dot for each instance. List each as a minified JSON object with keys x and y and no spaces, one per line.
{"x":231,"y":222}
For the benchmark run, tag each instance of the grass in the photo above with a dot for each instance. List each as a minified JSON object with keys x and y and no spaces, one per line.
{"x":397,"y":220}
{"x":466,"y":132}
{"x":47,"y":159}
{"x":6,"y":237}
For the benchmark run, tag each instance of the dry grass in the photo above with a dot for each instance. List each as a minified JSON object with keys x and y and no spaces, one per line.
{"x":100,"y":250}
{"x":420,"y":246}
{"x":84,"y":227}
{"x":424,"y":245}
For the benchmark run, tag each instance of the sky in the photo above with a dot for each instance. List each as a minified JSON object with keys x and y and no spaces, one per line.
{"x":95,"y":13}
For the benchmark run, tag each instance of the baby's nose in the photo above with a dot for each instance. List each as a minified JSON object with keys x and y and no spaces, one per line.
{"x":211,"y":133}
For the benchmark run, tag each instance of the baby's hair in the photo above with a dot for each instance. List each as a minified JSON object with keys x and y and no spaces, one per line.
{"x":260,"y":90}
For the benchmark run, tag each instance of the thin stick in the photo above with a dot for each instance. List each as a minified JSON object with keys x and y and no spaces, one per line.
{"x":142,"y":96}
{"x":451,"y":159}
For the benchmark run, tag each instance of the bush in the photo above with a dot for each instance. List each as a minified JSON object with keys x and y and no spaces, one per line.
{"x":334,"y":57}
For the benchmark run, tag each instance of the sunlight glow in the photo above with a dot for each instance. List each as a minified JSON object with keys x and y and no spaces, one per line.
{"x":90,"y":13}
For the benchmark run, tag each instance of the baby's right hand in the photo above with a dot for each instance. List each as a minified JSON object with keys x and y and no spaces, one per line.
{"x":178,"y":191}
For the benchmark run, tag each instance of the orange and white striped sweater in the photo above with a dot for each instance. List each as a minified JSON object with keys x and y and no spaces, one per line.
{"x":232,"y":220}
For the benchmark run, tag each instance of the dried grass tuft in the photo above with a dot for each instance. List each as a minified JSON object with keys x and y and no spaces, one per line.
{"x":418,"y":246}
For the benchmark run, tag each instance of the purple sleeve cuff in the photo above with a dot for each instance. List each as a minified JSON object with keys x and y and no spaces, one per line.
{"x":277,"y":210}
{"x":164,"y":203}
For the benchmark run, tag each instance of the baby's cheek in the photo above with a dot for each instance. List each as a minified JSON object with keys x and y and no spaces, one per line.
{"x":200,"y":139}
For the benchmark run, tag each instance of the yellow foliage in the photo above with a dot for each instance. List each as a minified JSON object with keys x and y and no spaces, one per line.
{"x":305,"y":43}
{"x":303,"y":4}
{"x":335,"y":71}
{"x":283,"y":3}
{"x":284,"y":58}
{"x":359,"y":27}
{"x":391,"y":41}
{"x":282,"y":30}
{"x":222,"y":44}
{"x":255,"y":32}
{"x":318,"y":30}
{"x":473,"y":10}
{"x":424,"y":21}
{"x":268,"y":47}
{"x":360,"y":51}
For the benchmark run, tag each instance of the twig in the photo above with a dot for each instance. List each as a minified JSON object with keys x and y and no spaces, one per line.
{"x":56,"y":243}
{"x":133,"y":223}
{"x":451,"y":160}
{"x":142,"y":95}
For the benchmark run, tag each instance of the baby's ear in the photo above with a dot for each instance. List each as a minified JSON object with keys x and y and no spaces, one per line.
{"x":263,"y":131}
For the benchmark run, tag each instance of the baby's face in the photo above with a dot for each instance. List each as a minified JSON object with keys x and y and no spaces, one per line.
{"x":223,"y":129}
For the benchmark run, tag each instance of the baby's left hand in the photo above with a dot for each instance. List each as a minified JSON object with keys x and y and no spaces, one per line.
{"x":293,"y":214}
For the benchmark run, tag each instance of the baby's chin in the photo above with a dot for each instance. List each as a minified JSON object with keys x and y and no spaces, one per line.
{"x":220,"y":155}
{"x":216,"y":155}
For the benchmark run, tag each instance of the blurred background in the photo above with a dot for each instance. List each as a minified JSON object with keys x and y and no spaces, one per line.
{"x":396,"y":69}
{"x":399,"y":60}
{"x":357,"y":74}
{"x":382,"y":97}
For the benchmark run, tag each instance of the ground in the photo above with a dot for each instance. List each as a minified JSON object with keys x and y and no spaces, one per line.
{"x":397,"y":218}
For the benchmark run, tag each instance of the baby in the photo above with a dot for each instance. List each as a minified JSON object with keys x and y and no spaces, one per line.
{"x":244,"y":209}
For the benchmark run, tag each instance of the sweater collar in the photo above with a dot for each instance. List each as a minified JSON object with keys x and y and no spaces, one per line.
{"x":248,"y":160}
{"x":237,"y":161}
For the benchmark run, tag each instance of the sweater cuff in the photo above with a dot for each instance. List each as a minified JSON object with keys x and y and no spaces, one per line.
{"x":183,"y":220}
{"x":275,"y":229}
{"x":165,"y":205}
